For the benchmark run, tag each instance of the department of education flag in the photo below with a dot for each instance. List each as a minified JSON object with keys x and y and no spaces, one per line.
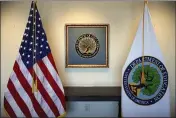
{"x":34,"y":88}
{"x":145,"y":90}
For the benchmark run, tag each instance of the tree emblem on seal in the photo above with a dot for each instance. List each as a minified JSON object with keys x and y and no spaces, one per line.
{"x":149,"y":85}
{"x":87,"y":46}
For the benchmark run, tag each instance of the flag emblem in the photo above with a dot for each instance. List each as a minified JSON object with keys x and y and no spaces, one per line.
{"x":87,"y":46}
{"x":151,"y":88}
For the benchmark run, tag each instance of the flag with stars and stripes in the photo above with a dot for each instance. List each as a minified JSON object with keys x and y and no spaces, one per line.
{"x":34,"y":88}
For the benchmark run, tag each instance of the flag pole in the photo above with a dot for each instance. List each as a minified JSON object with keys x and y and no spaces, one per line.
{"x":34,"y":82}
{"x":143,"y":75}
{"x":35,"y":48}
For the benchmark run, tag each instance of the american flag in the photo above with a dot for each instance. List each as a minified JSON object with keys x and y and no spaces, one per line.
{"x":34,"y":65}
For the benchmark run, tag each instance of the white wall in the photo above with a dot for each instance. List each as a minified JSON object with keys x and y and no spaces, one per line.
{"x":123,"y":18}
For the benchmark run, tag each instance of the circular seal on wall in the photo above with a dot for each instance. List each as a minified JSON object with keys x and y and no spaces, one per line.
{"x":149,"y":88}
{"x":87,"y":46}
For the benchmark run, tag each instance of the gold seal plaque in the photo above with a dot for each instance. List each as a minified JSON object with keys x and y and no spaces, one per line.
{"x":87,"y":46}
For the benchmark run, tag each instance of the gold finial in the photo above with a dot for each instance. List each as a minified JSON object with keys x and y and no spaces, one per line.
{"x":146,"y":1}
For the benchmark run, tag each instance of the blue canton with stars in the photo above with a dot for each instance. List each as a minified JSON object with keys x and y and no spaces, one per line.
{"x":34,"y":50}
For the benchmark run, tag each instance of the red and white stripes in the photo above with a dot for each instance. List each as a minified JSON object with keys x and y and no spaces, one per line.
{"x":49,"y":101}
